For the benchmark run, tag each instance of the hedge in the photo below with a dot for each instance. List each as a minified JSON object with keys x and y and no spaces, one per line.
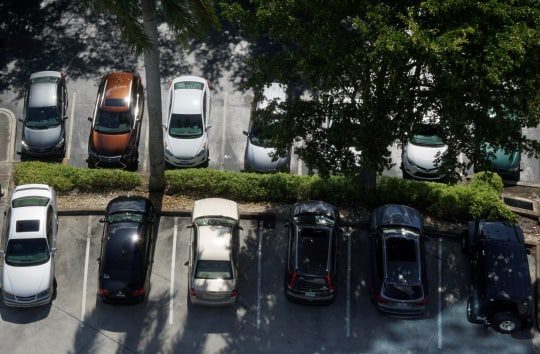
{"x":478,"y":199}
{"x":66,"y":178}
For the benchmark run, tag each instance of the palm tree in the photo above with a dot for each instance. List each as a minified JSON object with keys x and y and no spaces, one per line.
{"x":185,"y":17}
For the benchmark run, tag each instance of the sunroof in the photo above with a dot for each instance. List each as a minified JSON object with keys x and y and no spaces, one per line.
{"x":27,"y":226}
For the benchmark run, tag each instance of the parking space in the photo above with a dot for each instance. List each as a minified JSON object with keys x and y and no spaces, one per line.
{"x":263,"y":319}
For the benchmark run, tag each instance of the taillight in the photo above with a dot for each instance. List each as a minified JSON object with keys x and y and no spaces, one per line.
{"x":378,"y":298}
{"x":234,"y":293}
{"x":138,"y":292}
{"x":292,"y":279}
{"x":192,"y":292}
{"x":422,"y":302}
{"x":103,"y":292}
{"x":330,"y":282}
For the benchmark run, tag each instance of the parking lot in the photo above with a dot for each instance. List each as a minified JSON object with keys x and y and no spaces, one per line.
{"x":263,"y":320}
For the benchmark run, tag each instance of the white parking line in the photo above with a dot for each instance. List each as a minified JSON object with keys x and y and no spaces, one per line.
{"x":348,"y":303}
{"x":223,"y":129}
{"x":259,"y":271}
{"x":173,"y":265}
{"x":439,"y":317}
{"x":146,"y":147}
{"x":71,"y":124}
{"x":85,"y":278}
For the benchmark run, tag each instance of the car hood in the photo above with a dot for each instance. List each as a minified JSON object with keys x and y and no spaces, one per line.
{"x":26,"y":281}
{"x":424,"y":156}
{"x":259,"y":158}
{"x":40,"y":138}
{"x":505,"y":161}
{"x":185,"y":148}
{"x":214,"y":285}
{"x":110,"y":144}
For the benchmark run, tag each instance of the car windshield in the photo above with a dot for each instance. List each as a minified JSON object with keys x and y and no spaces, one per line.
{"x":214,"y":221}
{"x":113,"y":123}
{"x":426,"y":135}
{"x":124,"y":259}
{"x":209,"y":269}
{"x":125,"y":217}
{"x":313,"y":250}
{"x":45,"y":79}
{"x":186,"y":126}
{"x":314,"y":219}
{"x":259,"y":137}
{"x":42,"y":117}
{"x":27,"y":252}
{"x":402,"y":292}
{"x":30,"y":201}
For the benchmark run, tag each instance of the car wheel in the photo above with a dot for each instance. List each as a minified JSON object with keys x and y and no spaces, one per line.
{"x":207,"y":162}
{"x":465,"y":242}
{"x":91,"y":164}
{"x":405,"y":174}
{"x":473,"y":310}
{"x":506,"y":322}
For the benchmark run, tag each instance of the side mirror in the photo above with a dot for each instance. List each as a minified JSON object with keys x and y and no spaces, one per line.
{"x":66,"y":117}
{"x":2,"y":253}
{"x":528,"y":251}
{"x":89,"y":119}
{"x":102,"y":220}
{"x":53,"y":250}
{"x":20,"y":120}
{"x":164,"y":126}
{"x":286,"y":224}
{"x":240,"y":228}
{"x":189,"y":226}
{"x":98,"y":259}
{"x":245,"y":132}
{"x":208,"y":127}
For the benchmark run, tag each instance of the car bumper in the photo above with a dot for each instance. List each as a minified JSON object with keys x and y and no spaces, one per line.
{"x":212,"y":302}
{"x":316,"y":298}
{"x":193,"y":162}
{"x":30,"y":303}
{"x":420,"y":173}
{"x":45,"y":152}
{"x":401,"y":311}
{"x":122,"y":300}
{"x":110,"y":161}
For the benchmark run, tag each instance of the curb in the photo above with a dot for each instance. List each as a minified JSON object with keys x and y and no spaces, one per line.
{"x":514,"y":204}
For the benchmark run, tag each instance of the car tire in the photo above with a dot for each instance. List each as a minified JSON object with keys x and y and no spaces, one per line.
{"x":207,"y":162}
{"x":405,"y":174}
{"x":91,"y":164}
{"x":506,"y":322}
{"x":465,"y":241}
{"x":473,"y":310}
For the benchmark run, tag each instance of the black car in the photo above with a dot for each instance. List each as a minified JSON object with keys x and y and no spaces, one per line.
{"x":500,"y":289}
{"x":311,"y":266}
{"x":398,"y":257}
{"x":127,"y":248}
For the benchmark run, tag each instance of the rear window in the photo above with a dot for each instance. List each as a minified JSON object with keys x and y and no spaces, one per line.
{"x":191,"y":85}
{"x":30,"y":201}
{"x":400,"y":249}
{"x":45,"y":79}
{"x":124,"y":259}
{"x":207,"y":269}
{"x":313,"y":250}
{"x":116,"y":102}
{"x":402,"y":292}
{"x":27,"y":226}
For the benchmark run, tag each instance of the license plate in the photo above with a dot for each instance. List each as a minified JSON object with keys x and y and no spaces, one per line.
{"x":309,"y":293}
{"x":120,"y":295}
{"x":401,"y":304}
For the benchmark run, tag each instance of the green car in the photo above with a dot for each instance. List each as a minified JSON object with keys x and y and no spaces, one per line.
{"x":507,"y":165}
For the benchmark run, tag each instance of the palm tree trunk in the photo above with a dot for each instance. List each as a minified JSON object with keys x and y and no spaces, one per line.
{"x":153,"y":98}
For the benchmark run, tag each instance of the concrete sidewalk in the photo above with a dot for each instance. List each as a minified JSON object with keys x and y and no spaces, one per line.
{"x":7,"y":129}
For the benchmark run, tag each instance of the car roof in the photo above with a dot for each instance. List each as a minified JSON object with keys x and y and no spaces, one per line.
{"x":32,"y":190}
{"x":270,"y":92}
{"x":42,"y":94}
{"x":214,"y":242}
{"x":128,"y":203}
{"x":187,"y":101}
{"x":507,"y":271}
{"x":117,"y":89}
{"x":27,"y":213}
{"x":499,"y":231}
{"x":315,"y":207}
{"x":215,"y":207}
{"x":397,"y":215}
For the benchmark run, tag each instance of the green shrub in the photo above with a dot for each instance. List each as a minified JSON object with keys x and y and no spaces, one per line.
{"x":65,"y":178}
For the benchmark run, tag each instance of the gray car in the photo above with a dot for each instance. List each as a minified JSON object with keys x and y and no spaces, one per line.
{"x":259,"y":153}
{"x":45,"y":112}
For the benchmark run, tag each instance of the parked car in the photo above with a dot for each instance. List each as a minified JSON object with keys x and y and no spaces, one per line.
{"x":29,"y":257}
{"x":312,"y":253}
{"x":420,"y":154}
{"x":213,"y":255}
{"x":186,"y":127}
{"x":259,"y":152}
{"x":500,"y":287}
{"x":506,"y":164}
{"x":45,"y":113}
{"x":116,"y":123}
{"x":127,"y":249}
{"x":400,"y":285}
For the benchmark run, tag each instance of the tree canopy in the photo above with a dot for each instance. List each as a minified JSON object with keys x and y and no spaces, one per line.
{"x":374,"y":68}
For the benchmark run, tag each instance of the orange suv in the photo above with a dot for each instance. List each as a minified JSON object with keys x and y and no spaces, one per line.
{"x":116,"y":124}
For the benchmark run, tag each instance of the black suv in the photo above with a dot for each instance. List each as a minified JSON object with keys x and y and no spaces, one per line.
{"x":127,"y":247}
{"x":310,"y":270}
{"x":500,"y":291}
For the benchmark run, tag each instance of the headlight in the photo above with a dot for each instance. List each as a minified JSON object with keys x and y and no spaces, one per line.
{"x":43,"y":293}
{"x":203,"y":150}
{"x":24,"y":144}
{"x":7,"y":295}
{"x":168,"y":150}
{"x":60,"y":143}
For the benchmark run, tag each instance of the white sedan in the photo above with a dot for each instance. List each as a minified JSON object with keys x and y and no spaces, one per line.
{"x":28,"y":272}
{"x":186,"y":127}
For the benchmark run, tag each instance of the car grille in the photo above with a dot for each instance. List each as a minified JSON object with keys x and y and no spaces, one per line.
{"x":26,"y":298}
{"x":425,"y":175}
